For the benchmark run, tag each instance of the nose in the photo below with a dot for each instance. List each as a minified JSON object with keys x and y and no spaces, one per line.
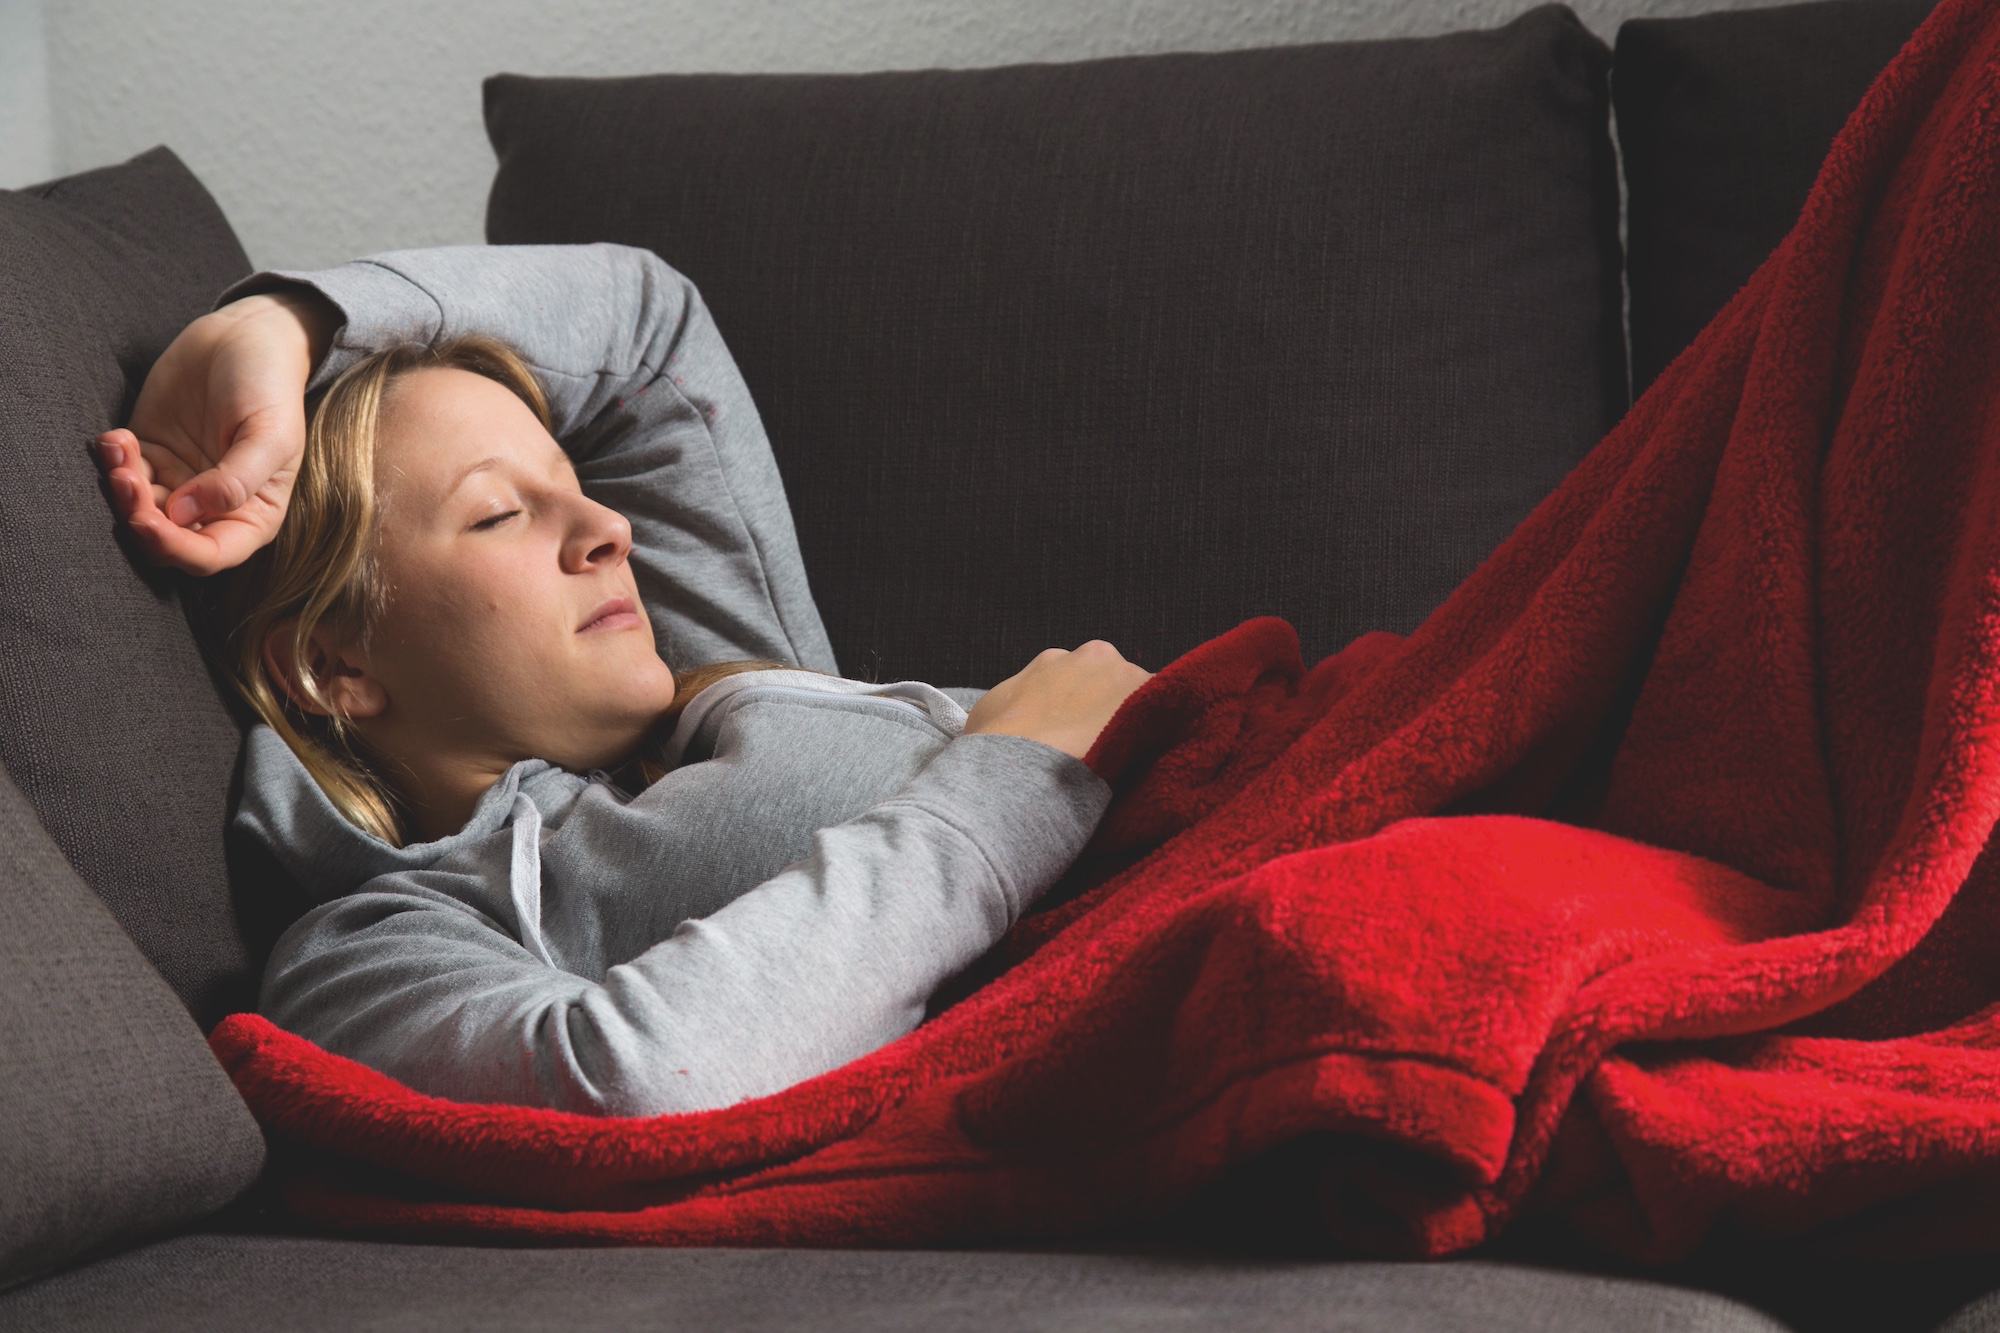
{"x":599,"y":538}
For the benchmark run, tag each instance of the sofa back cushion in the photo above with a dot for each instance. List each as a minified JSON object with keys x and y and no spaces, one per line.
{"x":1724,"y":120}
{"x":109,"y":720}
{"x":1130,"y":348}
{"x":115,"y":1120}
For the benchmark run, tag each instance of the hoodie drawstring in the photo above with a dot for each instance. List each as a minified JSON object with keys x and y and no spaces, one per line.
{"x":524,"y":880}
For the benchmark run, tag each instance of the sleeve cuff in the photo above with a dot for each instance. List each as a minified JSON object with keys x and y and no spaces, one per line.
{"x":1029,"y":807}
{"x":378,"y":306}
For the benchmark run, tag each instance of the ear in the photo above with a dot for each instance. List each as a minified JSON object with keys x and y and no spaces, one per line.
{"x":342,"y":672}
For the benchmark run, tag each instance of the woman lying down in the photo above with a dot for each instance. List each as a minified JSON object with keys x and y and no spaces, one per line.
{"x":548,"y":872}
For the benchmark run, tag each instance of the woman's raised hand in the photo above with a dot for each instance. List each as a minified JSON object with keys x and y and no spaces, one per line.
{"x":204,"y":472}
{"x":1061,"y":698}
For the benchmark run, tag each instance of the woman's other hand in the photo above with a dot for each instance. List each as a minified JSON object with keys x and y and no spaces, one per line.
{"x":204,"y":472}
{"x":1061,"y":698}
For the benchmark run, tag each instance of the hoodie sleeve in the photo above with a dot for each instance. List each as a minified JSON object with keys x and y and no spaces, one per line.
{"x":648,"y":403}
{"x":834,"y":957}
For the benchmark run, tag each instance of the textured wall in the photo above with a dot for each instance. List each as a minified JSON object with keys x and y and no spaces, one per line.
{"x":26,"y":137}
{"x":329,"y":130}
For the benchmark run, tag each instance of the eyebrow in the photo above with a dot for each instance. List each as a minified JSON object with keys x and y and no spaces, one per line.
{"x":490,"y":461}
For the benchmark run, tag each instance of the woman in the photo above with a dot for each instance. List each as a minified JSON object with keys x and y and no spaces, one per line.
{"x":530,"y":469}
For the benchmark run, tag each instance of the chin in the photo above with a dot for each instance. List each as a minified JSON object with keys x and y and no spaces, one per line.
{"x":641,"y":687}
{"x":632,"y":718}
{"x":608,"y":715}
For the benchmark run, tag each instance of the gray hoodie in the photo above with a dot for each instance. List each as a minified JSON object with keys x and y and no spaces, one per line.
{"x":824,"y":852}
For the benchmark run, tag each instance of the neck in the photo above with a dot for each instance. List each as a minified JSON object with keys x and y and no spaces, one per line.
{"x":440,"y":783}
{"x":441,"y":790}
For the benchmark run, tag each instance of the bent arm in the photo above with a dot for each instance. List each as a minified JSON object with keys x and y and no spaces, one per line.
{"x":647,"y":401}
{"x":832,"y":958}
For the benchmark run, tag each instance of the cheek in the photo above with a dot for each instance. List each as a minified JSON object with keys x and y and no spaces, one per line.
{"x":479,"y":625}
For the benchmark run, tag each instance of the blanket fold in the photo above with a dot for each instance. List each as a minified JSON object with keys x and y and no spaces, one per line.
{"x":1641,"y":888}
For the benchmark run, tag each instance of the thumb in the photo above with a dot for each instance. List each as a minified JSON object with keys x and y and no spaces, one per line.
{"x":262,"y":448}
{"x":204,"y":496}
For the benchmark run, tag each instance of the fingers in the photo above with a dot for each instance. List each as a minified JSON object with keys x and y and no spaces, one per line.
{"x":164,"y":468}
{"x":266,"y":444}
{"x":116,"y":449}
{"x":125,"y":469}
{"x":150,"y":464}
{"x":199,"y":551}
{"x":1088,"y":648}
{"x":136,"y":503}
{"x":130,"y":467}
{"x":1093,"y":654}
{"x":215,"y":546}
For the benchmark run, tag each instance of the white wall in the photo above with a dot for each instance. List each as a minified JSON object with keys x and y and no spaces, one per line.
{"x":332,"y":128}
{"x":27,"y":147}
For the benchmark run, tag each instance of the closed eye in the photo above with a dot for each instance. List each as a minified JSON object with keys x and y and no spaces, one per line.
{"x":495,"y":521}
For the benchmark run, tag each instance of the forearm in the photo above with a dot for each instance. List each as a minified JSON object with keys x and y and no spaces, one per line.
{"x":644,"y":396}
{"x":833,"y":957}
{"x":840,"y":954}
{"x":607,"y":318}
{"x":318,"y":318}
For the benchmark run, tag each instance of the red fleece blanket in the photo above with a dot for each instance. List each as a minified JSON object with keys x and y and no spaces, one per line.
{"x":1641,"y":887}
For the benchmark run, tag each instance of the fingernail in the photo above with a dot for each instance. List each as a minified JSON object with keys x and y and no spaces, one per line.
{"x":184,"y":510}
{"x":110,"y":454}
{"x":126,"y":492}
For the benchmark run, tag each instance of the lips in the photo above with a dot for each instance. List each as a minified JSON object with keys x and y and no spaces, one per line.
{"x":618,"y":613}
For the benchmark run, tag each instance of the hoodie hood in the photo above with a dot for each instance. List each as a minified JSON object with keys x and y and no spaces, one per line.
{"x":327,"y":856}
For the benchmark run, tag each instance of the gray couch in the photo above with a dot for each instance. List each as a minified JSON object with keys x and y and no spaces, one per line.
{"x":1131,"y":348}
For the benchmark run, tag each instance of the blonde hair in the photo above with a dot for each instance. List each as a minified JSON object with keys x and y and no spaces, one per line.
{"x":321,"y":570}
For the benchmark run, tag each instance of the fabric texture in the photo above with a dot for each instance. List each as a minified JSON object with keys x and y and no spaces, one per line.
{"x":109,"y":719}
{"x":1641,"y":888}
{"x":786,"y":901}
{"x":115,"y":1120}
{"x":1980,"y":1316}
{"x":222,"y":1284}
{"x":646,"y":400}
{"x":1127,"y":349}
{"x":1723,"y":120}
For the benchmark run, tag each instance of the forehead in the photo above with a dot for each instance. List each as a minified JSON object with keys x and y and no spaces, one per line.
{"x":436,"y":420}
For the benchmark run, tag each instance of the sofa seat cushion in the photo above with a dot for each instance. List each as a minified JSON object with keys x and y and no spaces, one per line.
{"x":1724,"y":119}
{"x":115,"y":1120}
{"x":109,"y":719}
{"x":1132,"y":348}
{"x":218,"y":1283}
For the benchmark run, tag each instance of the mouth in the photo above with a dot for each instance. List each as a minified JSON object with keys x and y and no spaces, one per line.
{"x":618,"y":613}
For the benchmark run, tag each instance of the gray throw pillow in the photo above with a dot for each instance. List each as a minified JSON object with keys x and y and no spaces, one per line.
{"x":109,"y":719}
{"x":115,"y":1120}
{"x":1132,"y":348}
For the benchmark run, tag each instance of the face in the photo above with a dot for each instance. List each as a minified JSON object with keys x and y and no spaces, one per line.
{"x":512,"y":626}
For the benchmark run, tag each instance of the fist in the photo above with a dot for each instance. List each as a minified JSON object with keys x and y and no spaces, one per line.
{"x":1062,"y":698}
